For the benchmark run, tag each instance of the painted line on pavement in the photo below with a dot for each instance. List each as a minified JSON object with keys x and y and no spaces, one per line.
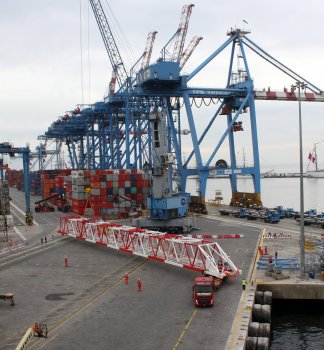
{"x":242,"y":223}
{"x":35,"y":222}
{"x":19,"y":233}
{"x":184,"y":330}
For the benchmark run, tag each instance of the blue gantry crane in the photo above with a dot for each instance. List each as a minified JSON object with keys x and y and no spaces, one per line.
{"x":7,"y":148}
{"x":119,"y":132}
{"x":237,"y":102}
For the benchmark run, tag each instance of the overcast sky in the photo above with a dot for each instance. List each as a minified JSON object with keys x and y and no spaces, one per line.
{"x":40,"y":61}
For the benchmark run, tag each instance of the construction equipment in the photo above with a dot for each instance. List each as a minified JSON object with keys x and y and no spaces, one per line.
{"x":40,"y":330}
{"x":195,"y":254}
{"x":242,"y":213}
{"x":8,"y":296}
{"x":167,"y":209}
{"x":136,"y":207}
{"x":7,"y":148}
{"x":270,"y":216}
{"x":44,"y":206}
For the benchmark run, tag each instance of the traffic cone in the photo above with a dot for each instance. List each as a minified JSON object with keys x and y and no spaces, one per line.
{"x":126,"y":278}
{"x":139,"y":285}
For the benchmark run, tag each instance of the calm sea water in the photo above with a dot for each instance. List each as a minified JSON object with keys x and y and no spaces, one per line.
{"x":289,"y":329}
{"x":274,"y":191}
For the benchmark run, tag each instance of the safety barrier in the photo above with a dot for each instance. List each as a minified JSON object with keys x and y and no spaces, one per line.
{"x":270,"y":235}
{"x":12,"y":249}
{"x":228,"y":236}
{"x":23,"y":342}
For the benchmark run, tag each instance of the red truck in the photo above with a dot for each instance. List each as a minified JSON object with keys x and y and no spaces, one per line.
{"x":203,"y":290}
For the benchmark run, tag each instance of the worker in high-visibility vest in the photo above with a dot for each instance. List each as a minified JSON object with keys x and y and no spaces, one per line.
{"x":244,"y":283}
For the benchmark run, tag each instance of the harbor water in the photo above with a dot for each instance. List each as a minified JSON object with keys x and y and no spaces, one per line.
{"x":274,"y":191}
{"x":291,"y":331}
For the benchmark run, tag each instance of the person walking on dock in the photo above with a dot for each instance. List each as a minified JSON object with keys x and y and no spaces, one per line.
{"x":139,"y":285}
{"x":244,"y":284}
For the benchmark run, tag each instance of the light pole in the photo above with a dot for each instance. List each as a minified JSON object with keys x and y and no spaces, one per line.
{"x":299,"y":85}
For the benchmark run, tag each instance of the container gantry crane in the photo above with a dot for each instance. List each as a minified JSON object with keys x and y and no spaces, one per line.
{"x":163,"y":80}
{"x":107,"y":130}
{"x":7,"y":148}
{"x":107,"y":134}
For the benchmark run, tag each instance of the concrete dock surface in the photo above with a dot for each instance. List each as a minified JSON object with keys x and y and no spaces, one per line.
{"x":87,"y":304}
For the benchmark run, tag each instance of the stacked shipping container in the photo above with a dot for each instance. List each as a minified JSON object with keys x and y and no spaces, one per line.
{"x":4,"y":198}
{"x":94,"y":192}
{"x":35,"y":183}
{"x":53,"y":182}
{"x":14,"y":178}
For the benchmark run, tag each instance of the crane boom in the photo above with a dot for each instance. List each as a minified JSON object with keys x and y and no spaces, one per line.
{"x":287,"y":96}
{"x":148,"y":49}
{"x":182,"y":251}
{"x":110,"y":44}
{"x":189,"y":50}
{"x":296,"y":77}
{"x":181,"y":33}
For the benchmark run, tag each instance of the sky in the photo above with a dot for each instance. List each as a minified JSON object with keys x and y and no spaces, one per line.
{"x":40,"y":63}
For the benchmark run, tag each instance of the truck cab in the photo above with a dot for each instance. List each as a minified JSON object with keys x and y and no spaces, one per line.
{"x":203,"y":291}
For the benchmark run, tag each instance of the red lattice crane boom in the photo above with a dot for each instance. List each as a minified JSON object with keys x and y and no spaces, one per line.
{"x":181,"y":33}
{"x":187,"y":252}
{"x":148,"y":49}
{"x":189,"y":50}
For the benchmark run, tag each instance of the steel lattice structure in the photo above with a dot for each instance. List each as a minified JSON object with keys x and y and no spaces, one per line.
{"x":186,"y":252}
{"x":115,"y":134}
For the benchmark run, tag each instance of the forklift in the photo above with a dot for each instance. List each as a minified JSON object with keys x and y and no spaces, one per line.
{"x":40,"y":330}
{"x":44,"y":206}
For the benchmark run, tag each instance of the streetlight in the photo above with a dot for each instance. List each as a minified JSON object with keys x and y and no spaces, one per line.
{"x":299,"y":85}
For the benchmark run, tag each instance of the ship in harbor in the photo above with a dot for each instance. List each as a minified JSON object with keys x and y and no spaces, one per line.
{"x":313,"y":169}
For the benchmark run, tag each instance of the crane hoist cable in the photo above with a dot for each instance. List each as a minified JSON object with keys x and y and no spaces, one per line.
{"x":81,"y":50}
{"x":119,"y":35}
{"x":89,"y":66}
